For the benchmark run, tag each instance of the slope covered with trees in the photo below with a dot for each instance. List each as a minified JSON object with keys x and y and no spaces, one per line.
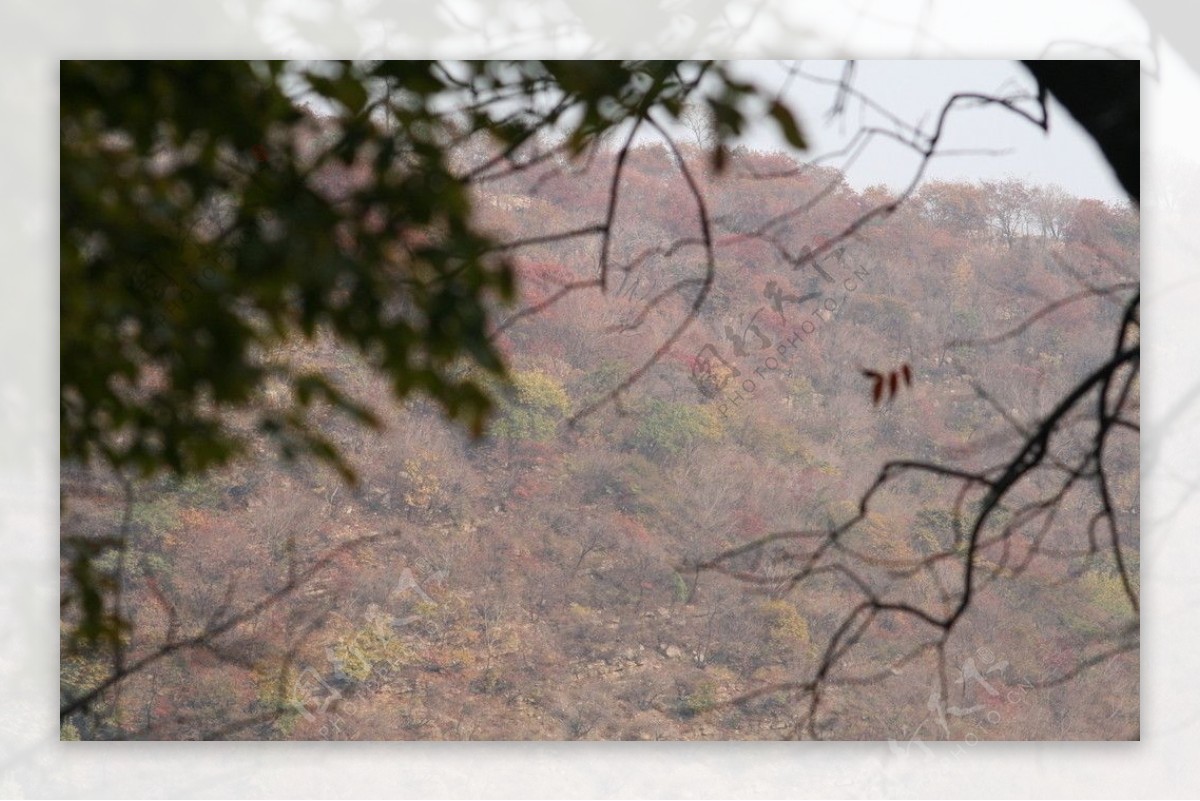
{"x":627,"y":560}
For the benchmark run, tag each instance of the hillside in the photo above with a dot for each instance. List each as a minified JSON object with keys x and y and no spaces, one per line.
{"x":536,"y":583}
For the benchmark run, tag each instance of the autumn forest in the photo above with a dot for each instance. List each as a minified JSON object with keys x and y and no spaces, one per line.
{"x":732,"y":487}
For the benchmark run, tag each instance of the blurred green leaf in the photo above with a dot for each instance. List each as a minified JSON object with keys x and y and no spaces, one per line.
{"x":788,"y":125}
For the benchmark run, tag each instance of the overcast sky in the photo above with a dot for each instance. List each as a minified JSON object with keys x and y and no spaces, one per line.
{"x":915,"y":91}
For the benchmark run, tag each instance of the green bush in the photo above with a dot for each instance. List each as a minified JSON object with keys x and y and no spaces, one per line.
{"x":595,"y":384}
{"x":155,"y":517}
{"x":679,"y":586}
{"x":667,"y":429}
{"x":701,"y":700}
{"x":531,"y":407}
{"x":787,"y":444}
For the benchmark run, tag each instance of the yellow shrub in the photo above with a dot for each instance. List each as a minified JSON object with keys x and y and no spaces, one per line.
{"x":786,"y":627}
{"x":1107,"y":591}
{"x":421,"y":484}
